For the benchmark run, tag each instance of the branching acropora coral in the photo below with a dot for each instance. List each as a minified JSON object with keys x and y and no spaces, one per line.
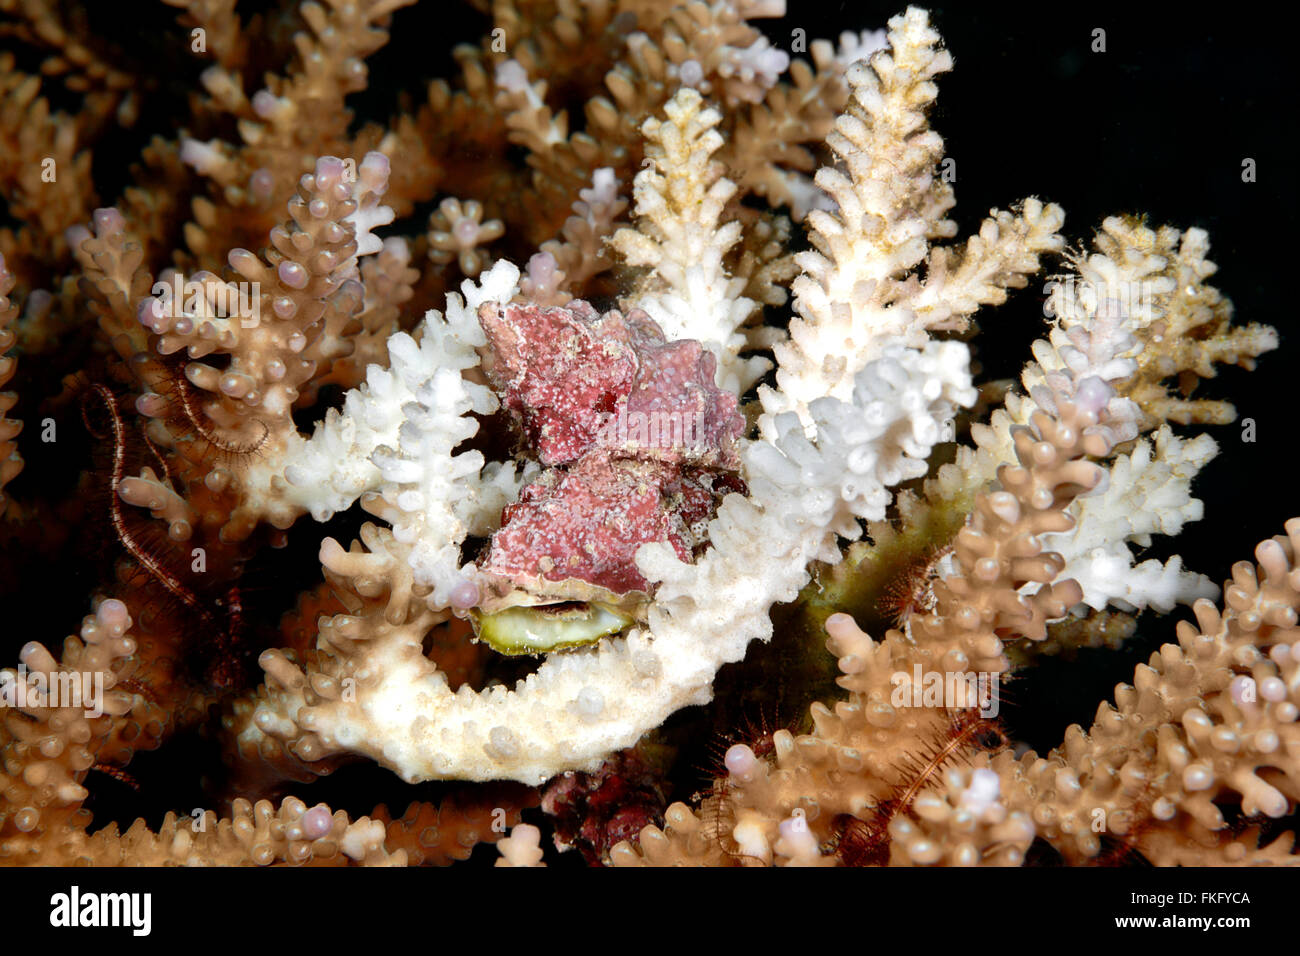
{"x":624,"y":491}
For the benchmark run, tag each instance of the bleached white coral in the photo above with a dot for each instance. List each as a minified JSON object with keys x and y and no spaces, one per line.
{"x":395,"y":438}
{"x":862,"y":397}
{"x":812,"y":478}
{"x":857,"y":292}
{"x":680,"y":235}
{"x":1148,"y":492}
{"x":1183,"y":321}
{"x":860,"y":46}
{"x":749,"y":72}
{"x":581,"y":705}
{"x":1098,"y":315}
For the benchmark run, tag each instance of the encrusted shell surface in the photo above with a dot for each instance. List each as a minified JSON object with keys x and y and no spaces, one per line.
{"x":638,"y":442}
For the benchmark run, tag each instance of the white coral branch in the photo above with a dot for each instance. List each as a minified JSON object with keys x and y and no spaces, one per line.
{"x":394,"y":440}
{"x":1146,"y":493}
{"x":680,"y":236}
{"x":858,"y":290}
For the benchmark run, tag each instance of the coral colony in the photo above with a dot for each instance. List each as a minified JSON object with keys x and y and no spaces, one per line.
{"x":580,"y":439}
